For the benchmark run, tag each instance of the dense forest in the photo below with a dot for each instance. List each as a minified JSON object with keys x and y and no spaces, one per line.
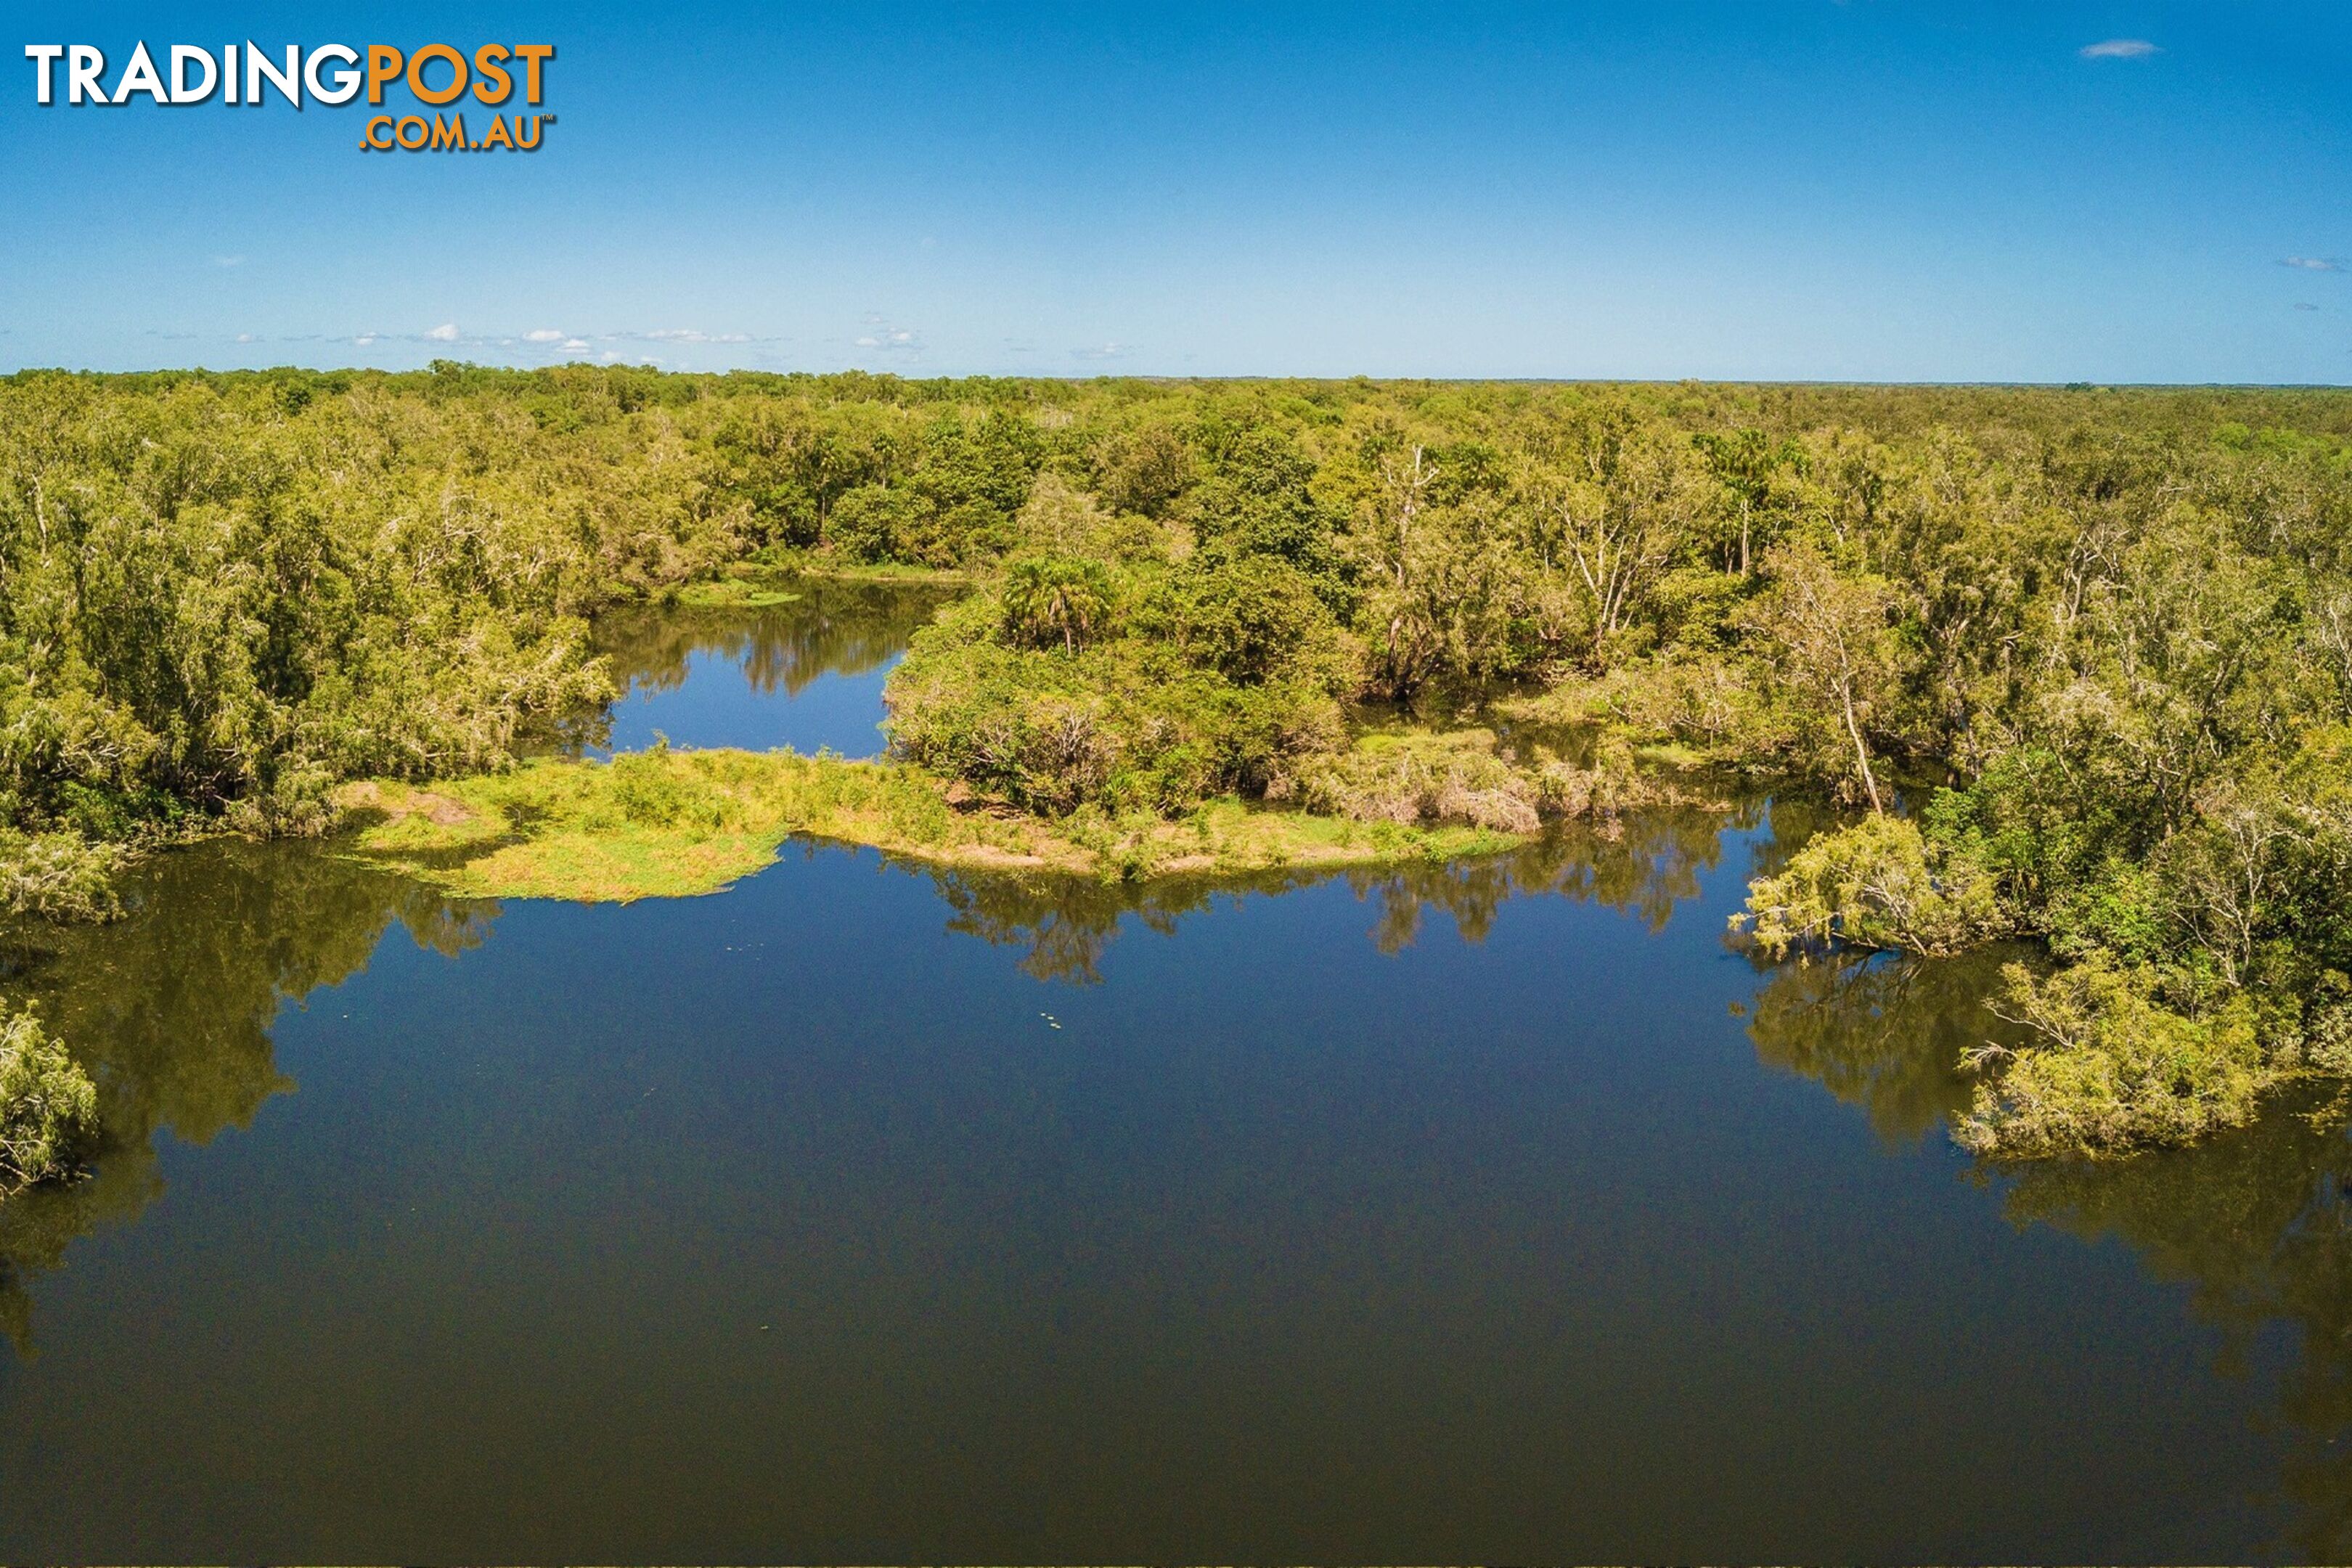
{"x":2075,"y":664}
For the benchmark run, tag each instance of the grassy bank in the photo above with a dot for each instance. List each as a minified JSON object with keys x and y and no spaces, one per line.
{"x":670,"y":824}
{"x":773,"y":579}
{"x":773,"y":564}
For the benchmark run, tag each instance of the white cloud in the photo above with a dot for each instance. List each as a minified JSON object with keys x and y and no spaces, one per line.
{"x":1106,"y":351}
{"x":228,"y":261}
{"x":2313,"y":263}
{"x":550,"y":340}
{"x":2118,"y":49}
{"x":245,"y":337}
{"x":883,"y":336}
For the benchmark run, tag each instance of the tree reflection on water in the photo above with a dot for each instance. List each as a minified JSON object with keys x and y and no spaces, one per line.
{"x":2256,"y":1222}
{"x":170,"y":1011}
{"x":1642,"y":868}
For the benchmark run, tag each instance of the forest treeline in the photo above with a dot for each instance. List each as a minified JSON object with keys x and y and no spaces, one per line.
{"x":2078,"y":661}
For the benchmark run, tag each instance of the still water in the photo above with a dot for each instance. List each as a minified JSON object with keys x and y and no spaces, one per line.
{"x":862,"y":1212}
{"x":806,"y":674}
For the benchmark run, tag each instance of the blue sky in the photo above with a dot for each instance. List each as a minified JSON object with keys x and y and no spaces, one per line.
{"x":1858,"y":191}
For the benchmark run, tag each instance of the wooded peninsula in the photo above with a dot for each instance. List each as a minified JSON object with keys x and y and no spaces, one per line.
{"x":2074,"y":665}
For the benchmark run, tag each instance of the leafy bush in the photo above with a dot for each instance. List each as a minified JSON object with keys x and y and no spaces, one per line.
{"x":1126,"y":724}
{"x":48,"y":1108}
{"x":60,"y":876}
{"x":877,"y":522}
{"x":1714,"y":706}
{"x":1259,"y":499}
{"x":2115,"y":1067}
{"x":1143,"y":468}
{"x":1875,"y":884}
{"x":1453,"y":778}
{"x":1250,"y":620}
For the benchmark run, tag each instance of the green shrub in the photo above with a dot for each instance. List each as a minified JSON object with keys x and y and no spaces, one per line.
{"x":1453,"y":778}
{"x":48,"y":1108}
{"x":60,"y":876}
{"x":1713,"y":706}
{"x":1250,"y":619}
{"x":2114,"y":1067}
{"x":1875,"y":884}
{"x":877,"y":522}
{"x":1126,"y":725}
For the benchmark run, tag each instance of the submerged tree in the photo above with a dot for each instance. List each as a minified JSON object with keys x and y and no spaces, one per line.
{"x":48,"y":1108}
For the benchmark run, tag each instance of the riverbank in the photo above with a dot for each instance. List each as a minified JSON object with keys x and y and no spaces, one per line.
{"x":674,"y":824}
{"x":763,"y":584}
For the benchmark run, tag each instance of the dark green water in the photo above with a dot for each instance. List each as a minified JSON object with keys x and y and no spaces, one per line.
{"x":1495,"y":1213}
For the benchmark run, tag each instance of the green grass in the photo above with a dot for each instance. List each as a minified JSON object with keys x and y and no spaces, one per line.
{"x":841,"y":569}
{"x":734,"y":593}
{"x":673,"y":823}
{"x":766,"y":582}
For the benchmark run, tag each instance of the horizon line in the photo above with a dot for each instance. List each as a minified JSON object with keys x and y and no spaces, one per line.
{"x":2077,"y":383}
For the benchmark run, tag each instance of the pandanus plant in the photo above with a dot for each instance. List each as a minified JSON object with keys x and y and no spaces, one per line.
{"x":1057,"y":598}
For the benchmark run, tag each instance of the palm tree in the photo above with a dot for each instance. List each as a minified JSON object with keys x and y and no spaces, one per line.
{"x":1057,"y":597}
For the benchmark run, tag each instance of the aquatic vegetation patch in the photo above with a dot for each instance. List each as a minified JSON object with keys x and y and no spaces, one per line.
{"x":1879,"y":883}
{"x":734,"y":593}
{"x":667,"y":823}
{"x":2116,"y":1064}
{"x":48,"y":1107}
{"x":60,"y":876}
